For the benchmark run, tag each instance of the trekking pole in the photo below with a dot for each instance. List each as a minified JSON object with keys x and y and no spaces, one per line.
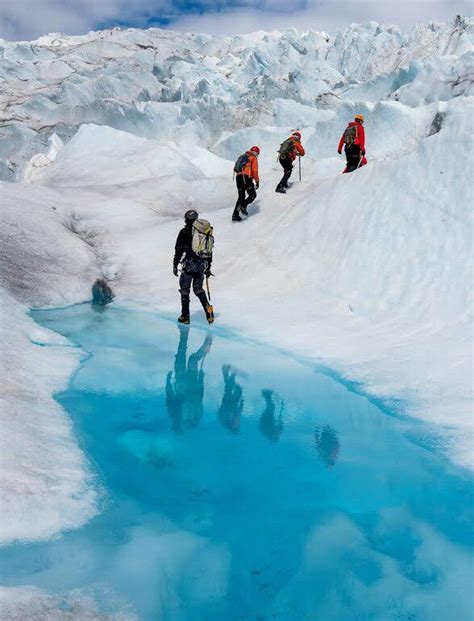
{"x":299,"y":165}
{"x":207,"y":287}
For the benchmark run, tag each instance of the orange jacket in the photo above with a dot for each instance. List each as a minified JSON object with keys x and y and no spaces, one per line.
{"x":298,"y":149}
{"x":251,"y":167}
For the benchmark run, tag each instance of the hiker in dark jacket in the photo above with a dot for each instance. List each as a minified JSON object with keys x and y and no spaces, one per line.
{"x":289,"y":151}
{"x":184,"y":394}
{"x":194,"y":269}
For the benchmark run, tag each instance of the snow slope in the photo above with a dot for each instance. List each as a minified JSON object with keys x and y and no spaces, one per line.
{"x":112,"y":136}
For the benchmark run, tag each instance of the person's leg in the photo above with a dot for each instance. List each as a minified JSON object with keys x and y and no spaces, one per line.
{"x":180,"y":358}
{"x":200,"y":354}
{"x":352,"y":157}
{"x":280,"y":186}
{"x":349,"y":158}
{"x":185,"y":289}
{"x":251,"y":191}
{"x":198,"y":281}
{"x":287,"y":166}
{"x":352,"y":164}
{"x":239,"y":180}
{"x":347,"y":152}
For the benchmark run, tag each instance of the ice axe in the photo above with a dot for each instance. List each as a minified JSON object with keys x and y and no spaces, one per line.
{"x":210,"y":308}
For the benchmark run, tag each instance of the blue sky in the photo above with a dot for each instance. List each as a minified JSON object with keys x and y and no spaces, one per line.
{"x":28,"y":19}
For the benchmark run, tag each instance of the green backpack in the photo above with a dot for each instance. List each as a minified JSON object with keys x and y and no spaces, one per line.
{"x":240,"y":162}
{"x":350,"y":135}
{"x":286,"y":148}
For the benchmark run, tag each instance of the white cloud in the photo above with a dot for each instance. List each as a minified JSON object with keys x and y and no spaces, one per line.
{"x":27,"y":19}
{"x":327,"y":15}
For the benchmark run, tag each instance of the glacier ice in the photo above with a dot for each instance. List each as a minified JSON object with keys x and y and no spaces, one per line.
{"x":127,"y":78}
{"x":109,"y":137}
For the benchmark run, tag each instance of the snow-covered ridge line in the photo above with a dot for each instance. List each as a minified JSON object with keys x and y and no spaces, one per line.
{"x":58,"y":39}
{"x":186,"y":87}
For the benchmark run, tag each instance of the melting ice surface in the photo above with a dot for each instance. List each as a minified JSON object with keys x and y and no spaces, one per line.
{"x":239,"y":484}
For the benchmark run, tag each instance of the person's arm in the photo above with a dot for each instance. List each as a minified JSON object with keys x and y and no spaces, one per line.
{"x":299,"y":148}
{"x":254,"y":169}
{"x":178,"y":249}
{"x":341,"y":144}
{"x":362,"y":138}
{"x":208,"y":272}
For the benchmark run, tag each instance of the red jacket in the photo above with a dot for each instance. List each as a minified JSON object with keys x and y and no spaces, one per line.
{"x":297,"y":150}
{"x":251,"y":167}
{"x":360,"y":136}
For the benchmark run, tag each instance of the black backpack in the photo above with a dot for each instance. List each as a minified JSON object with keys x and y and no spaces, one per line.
{"x":240,"y":162}
{"x":350,"y":135}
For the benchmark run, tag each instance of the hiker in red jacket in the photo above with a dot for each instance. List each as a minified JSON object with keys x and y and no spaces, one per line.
{"x":354,"y":140}
{"x":288,"y":152}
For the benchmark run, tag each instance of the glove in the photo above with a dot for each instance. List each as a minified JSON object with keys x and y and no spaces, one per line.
{"x":340,"y":152}
{"x":257,"y":185}
{"x":363,"y":153}
{"x":175,"y":270}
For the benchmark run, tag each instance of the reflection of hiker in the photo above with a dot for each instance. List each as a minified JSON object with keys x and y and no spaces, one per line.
{"x":354,"y":140}
{"x":194,"y":251}
{"x":246,"y":173}
{"x":270,"y":426}
{"x":232,"y":402}
{"x":289,"y":150}
{"x":327,"y":445}
{"x":184,"y":395}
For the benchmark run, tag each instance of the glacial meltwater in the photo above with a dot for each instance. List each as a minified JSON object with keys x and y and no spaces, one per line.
{"x":237,"y":483}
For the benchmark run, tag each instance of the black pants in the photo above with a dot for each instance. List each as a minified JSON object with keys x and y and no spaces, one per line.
{"x":197,"y":281}
{"x":244,"y":186}
{"x":287,"y":165}
{"x":353,"y":156}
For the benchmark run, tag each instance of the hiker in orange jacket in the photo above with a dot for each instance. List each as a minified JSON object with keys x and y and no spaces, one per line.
{"x":353,"y":138}
{"x":246,"y":173}
{"x":289,"y":151}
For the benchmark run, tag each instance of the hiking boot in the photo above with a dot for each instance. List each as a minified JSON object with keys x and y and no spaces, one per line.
{"x":210,"y":313}
{"x":236,"y":217}
{"x":280,"y":190}
{"x":183,"y":319}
